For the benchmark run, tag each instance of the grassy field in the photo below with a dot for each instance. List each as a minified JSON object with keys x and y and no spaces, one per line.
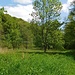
{"x":37,"y":63}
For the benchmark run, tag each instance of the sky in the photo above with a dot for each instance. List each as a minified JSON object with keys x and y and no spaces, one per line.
{"x":23,"y":8}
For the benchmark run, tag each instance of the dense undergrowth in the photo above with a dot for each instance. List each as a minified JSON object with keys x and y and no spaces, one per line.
{"x":36,"y":64}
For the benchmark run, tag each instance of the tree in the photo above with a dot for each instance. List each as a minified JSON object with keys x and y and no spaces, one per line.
{"x":14,"y":32}
{"x":11,"y":31}
{"x":26,"y":33}
{"x":1,"y":27}
{"x":70,"y":28}
{"x":46,"y":11}
{"x":36,"y":31}
{"x":55,"y":35}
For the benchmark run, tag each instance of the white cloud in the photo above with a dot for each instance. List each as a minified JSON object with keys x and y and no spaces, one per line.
{"x":69,"y":1}
{"x":23,"y":1}
{"x":66,"y":6}
{"x":23,"y":11}
{"x":20,"y":11}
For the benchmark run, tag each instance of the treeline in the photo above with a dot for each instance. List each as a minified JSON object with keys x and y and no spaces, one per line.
{"x":14,"y":32}
{"x":43,"y":32}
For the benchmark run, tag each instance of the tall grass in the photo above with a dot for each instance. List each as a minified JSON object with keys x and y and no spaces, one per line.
{"x":36,"y":64}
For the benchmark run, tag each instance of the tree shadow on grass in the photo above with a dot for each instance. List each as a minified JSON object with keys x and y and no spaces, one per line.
{"x":70,"y":53}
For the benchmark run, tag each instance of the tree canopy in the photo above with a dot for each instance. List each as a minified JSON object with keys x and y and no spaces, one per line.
{"x":70,"y":28}
{"x":43,"y":32}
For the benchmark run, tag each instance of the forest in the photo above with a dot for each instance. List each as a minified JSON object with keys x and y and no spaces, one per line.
{"x":44,"y":31}
{"x":43,"y":46}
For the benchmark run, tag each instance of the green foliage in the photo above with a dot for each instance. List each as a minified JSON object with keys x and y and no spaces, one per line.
{"x":47,"y":9}
{"x":54,"y":36}
{"x":1,"y":27}
{"x":11,"y":31}
{"x":70,"y":35}
{"x":46,"y":13}
{"x":36,"y":64}
{"x":70,"y":29}
{"x":17,"y":33}
{"x":36,"y":31}
{"x":26,"y":33}
{"x":14,"y":32}
{"x":56,"y":39}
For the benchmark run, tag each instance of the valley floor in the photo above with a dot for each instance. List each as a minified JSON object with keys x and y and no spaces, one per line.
{"x":37,"y":63}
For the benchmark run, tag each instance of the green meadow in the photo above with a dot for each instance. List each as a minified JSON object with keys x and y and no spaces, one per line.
{"x":37,"y":63}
